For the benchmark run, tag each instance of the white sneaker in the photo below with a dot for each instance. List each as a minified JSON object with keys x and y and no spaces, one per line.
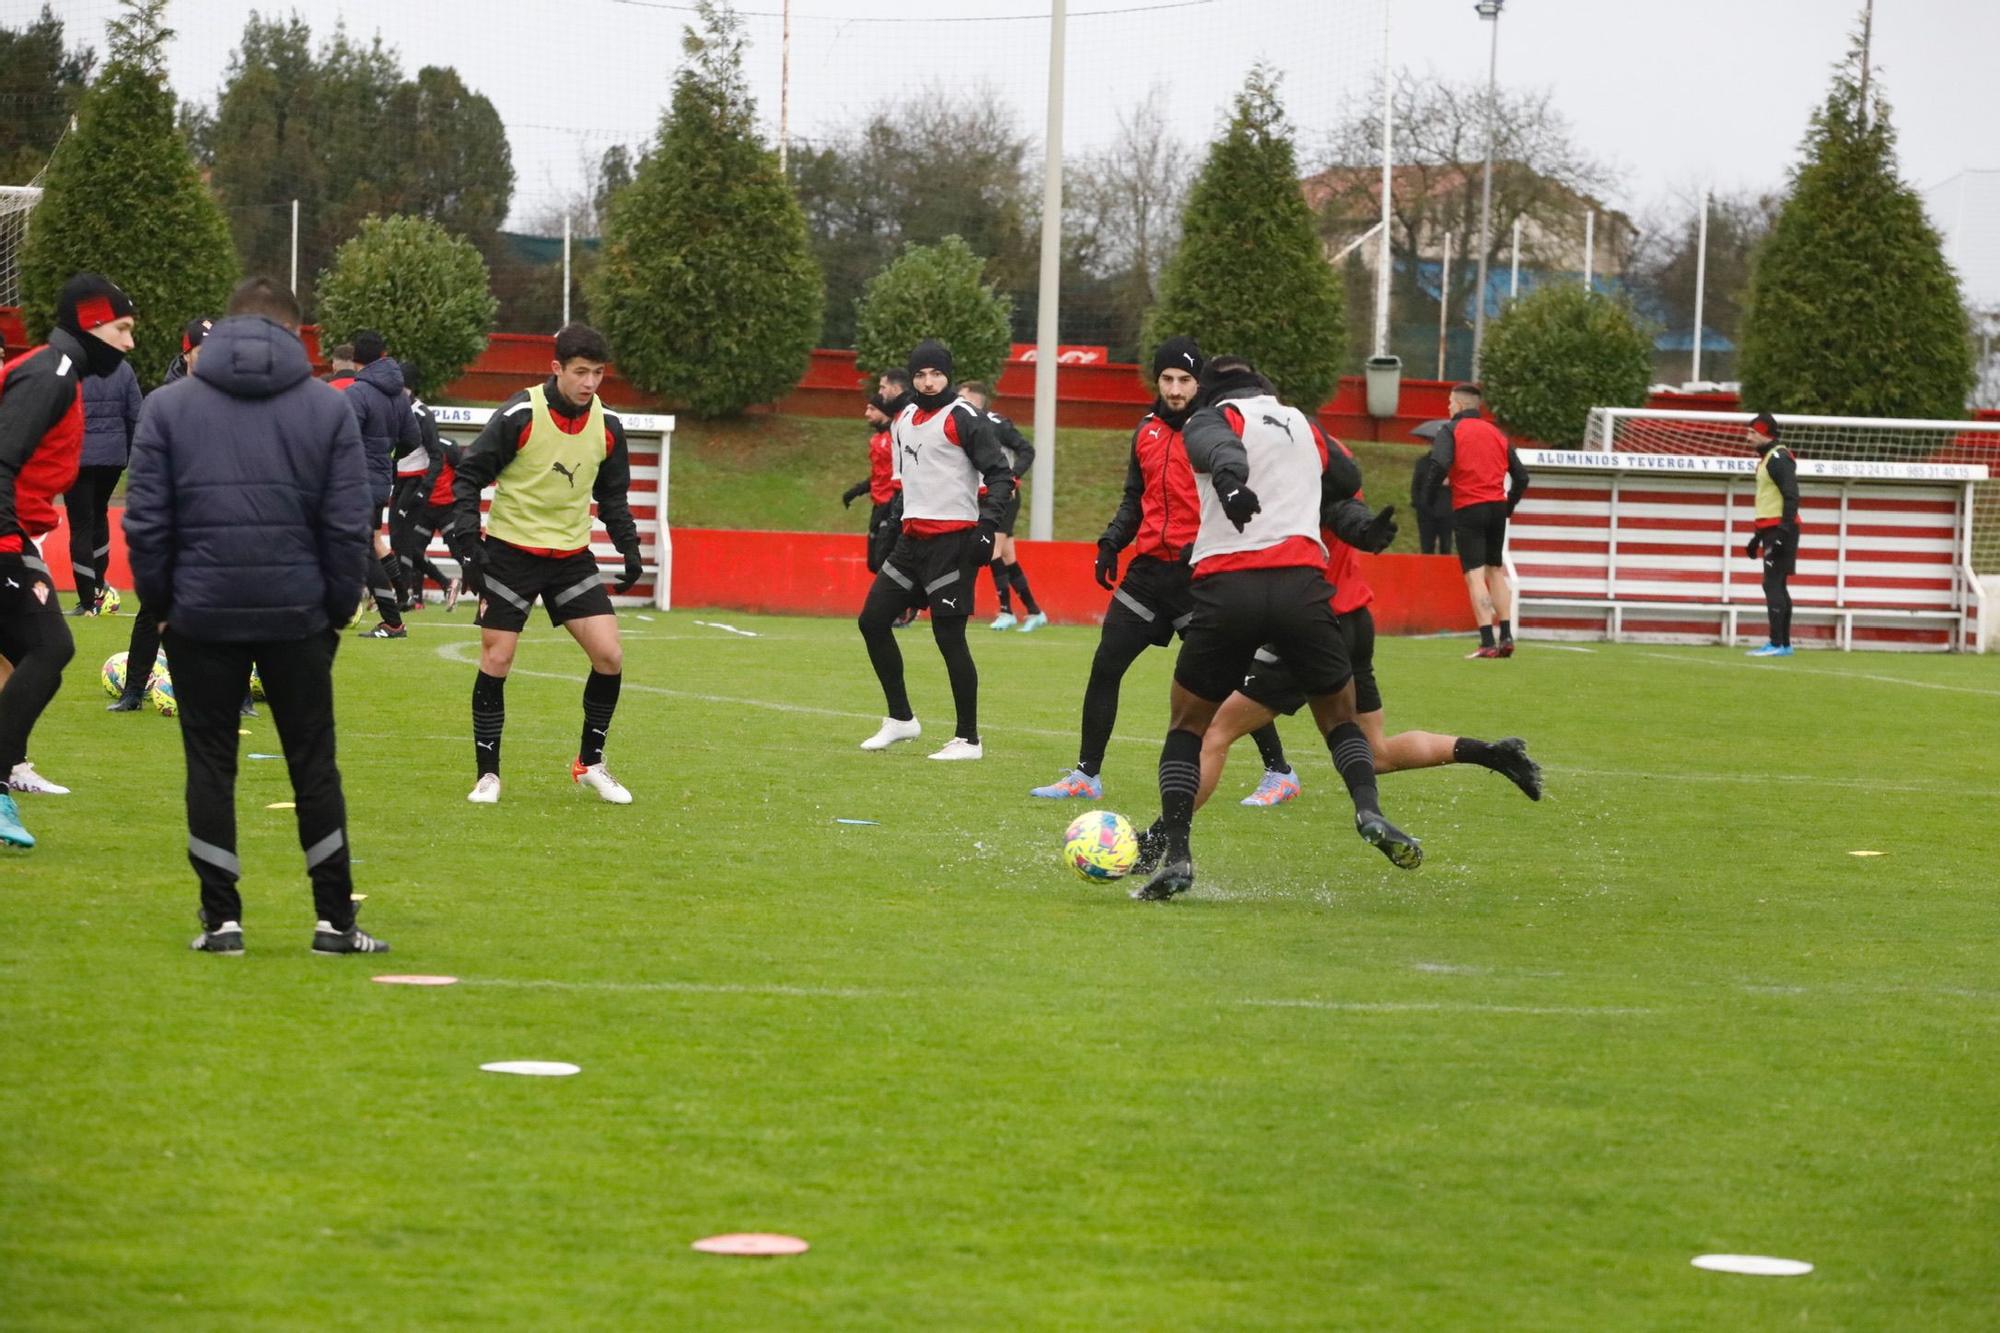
{"x":486,"y":791}
{"x":598,"y":778}
{"x":960,"y":748}
{"x":893,"y":730}
{"x":25,"y":778}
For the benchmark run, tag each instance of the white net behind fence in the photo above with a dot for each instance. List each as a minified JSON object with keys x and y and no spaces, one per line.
{"x":16,"y":203}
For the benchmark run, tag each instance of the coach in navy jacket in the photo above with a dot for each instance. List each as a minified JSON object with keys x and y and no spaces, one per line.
{"x":246,"y":517}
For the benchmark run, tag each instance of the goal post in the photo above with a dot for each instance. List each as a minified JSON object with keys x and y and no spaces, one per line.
{"x":1639,"y":533}
{"x":17,"y":202}
{"x":650,"y":440}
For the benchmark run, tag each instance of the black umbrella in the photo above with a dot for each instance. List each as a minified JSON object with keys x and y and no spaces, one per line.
{"x":1429,"y":430}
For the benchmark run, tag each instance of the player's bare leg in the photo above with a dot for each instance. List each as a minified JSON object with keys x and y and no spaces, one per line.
{"x":1501,"y":593}
{"x":598,"y":637}
{"x":1401,"y":753}
{"x":1483,"y":616}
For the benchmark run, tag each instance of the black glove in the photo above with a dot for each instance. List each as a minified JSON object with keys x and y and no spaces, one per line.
{"x":1755,"y":544}
{"x":1239,"y":502}
{"x":1381,"y":531}
{"x":1107,"y":566}
{"x":853,"y":493}
{"x":634,"y":571}
{"x":470,"y":552}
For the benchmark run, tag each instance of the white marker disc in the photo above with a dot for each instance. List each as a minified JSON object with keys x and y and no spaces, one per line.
{"x":533,"y":1068}
{"x":1756,"y":1265}
{"x":757,"y":1244}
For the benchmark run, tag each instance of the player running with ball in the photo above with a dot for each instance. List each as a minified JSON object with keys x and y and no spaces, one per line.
{"x":1269,"y":483}
{"x":549,"y":451}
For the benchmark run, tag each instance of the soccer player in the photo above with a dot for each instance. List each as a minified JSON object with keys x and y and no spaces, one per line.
{"x":429,"y":510}
{"x":246,"y":517}
{"x":549,"y":450}
{"x":1268,"y":484}
{"x":110,"y":415}
{"x":416,"y":477}
{"x":388,"y":428}
{"x":192,"y":334}
{"x":41,"y":438}
{"x":1488,"y":481}
{"x":1270,"y":689}
{"x":881,"y":485}
{"x":340,"y":366}
{"x":1776,"y":535}
{"x":1159,"y":515}
{"x":944,"y":449}
{"x":1007,"y":571}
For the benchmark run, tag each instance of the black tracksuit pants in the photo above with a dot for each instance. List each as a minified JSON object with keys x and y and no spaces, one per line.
{"x":36,"y":639}
{"x":210,"y":681}
{"x":88,"y":503}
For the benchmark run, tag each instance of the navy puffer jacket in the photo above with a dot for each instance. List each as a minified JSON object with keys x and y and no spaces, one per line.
{"x":110,"y":415}
{"x":384,"y":413}
{"x":247,"y":507}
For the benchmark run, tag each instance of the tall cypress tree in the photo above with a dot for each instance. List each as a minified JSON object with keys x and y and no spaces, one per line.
{"x":706,"y":283}
{"x":122,"y":198}
{"x":1852,"y":308}
{"x":1249,"y":278}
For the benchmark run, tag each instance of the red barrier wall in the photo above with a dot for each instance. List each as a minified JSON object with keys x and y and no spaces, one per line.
{"x":816,"y":573}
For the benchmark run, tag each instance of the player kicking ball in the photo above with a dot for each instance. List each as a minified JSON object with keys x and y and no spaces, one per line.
{"x":548,"y":451}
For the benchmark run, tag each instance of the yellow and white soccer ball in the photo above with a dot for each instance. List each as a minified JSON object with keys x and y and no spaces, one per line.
{"x":108,"y":601}
{"x":113,"y":674}
{"x":256,"y":684}
{"x":160,"y":691}
{"x":1100,"y":845}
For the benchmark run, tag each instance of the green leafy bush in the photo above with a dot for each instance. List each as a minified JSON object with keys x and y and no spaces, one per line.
{"x":934,"y":291}
{"x":1558,"y":352}
{"x":424,"y":289}
{"x":706,"y":284}
{"x":121,"y":197}
{"x":1250,"y":278}
{"x":1852,"y":309}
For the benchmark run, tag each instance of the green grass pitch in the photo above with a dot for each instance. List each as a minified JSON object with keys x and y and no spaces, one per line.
{"x":1662,"y":1013}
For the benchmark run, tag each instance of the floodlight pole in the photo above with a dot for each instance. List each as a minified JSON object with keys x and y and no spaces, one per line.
{"x":1444,"y":302}
{"x":1589,"y":247}
{"x":295,"y":247}
{"x":1385,"y":260}
{"x":1042,"y":513}
{"x":1514,"y":263}
{"x":1700,"y":283}
{"x":785,"y":89}
{"x":1490,"y":11}
{"x":565,"y":267}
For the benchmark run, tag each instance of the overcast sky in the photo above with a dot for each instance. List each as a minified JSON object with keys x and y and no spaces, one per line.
{"x":1670,"y":92}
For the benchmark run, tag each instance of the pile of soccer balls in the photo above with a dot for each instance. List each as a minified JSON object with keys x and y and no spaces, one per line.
{"x":159,"y":685}
{"x":1100,"y":845}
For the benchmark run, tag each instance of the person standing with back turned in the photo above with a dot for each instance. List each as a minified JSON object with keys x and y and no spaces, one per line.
{"x":1487,"y":482}
{"x":246,"y":516}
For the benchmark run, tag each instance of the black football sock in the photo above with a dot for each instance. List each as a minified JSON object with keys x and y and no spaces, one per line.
{"x":600,"y":701}
{"x":383,"y":589}
{"x":489,"y":717}
{"x":998,"y":568}
{"x":1466,"y":750}
{"x":1019,"y":578}
{"x":1506,"y":631}
{"x":1180,"y":780}
{"x":1356,"y":763}
{"x":1117,"y":649}
{"x":887,"y":599}
{"x":1271,"y":748}
{"x":949,"y":633}
{"x":1486,"y":636}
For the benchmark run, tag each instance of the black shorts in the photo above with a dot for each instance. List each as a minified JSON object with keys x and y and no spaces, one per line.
{"x":1780,"y":551}
{"x":1154,"y":601}
{"x":936,"y":571}
{"x":1238,"y":612}
{"x":1011,"y":513}
{"x":570,"y":586}
{"x":1481,"y":530}
{"x":1271,"y":684}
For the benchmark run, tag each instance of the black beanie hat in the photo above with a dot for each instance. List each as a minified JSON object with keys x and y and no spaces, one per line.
{"x":1178,"y":353}
{"x":930,"y":354}
{"x":368,"y":347}
{"x":1765,"y":425}
{"x":87,"y":301}
{"x":193,"y":332}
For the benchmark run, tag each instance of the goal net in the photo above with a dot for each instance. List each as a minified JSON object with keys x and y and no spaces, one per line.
{"x":1906,"y":449}
{"x":16,"y":203}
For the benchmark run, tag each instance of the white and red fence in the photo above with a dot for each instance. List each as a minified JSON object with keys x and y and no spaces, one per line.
{"x":649,"y":439}
{"x":1649,"y":546}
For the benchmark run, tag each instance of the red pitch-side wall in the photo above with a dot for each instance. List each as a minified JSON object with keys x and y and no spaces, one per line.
{"x":817,"y":573}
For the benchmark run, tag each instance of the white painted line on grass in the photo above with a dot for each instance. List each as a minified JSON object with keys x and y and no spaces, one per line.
{"x":1791,"y":670}
{"x":729,"y":629}
{"x":1796,"y":779}
{"x":694,"y":988}
{"x":1447,"y":1007}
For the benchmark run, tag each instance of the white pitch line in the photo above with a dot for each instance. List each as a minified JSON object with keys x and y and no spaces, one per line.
{"x":1446,"y":1007}
{"x":693,"y":988}
{"x":1822,"y":671}
{"x":1790,"y":779}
